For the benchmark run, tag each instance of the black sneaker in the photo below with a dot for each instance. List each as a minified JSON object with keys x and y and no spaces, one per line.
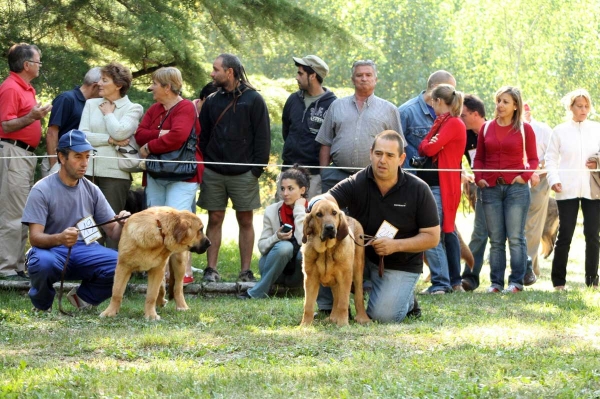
{"x":415,"y":312}
{"x":246,"y":276}
{"x":211,"y":275}
{"x":467,"y":286}
{"x":529,"y":279}
{"x":20,"y":276}
{"x":244,"y":295}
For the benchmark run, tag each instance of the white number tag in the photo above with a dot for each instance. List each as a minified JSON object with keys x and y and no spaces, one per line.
{"x":386,"y":230}
{"x":88,"y":230}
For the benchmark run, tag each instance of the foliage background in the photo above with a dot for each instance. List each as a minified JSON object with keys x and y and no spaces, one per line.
{"x":546,"y":47}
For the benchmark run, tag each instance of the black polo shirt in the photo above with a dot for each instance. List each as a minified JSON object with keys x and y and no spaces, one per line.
{"x":409,"y":206}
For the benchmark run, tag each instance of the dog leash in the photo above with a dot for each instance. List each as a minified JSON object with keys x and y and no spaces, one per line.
{"x":369,"y":242}
{"x":64,"y":270}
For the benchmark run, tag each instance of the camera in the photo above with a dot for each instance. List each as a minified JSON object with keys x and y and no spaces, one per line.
{"x":418,"y":162}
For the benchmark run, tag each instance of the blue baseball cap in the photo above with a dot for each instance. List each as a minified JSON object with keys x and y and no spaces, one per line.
{"x":75,"y":140}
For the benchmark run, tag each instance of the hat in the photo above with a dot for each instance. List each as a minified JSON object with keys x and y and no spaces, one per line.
{"x":75,"y":140}
{"x":317,"y":64}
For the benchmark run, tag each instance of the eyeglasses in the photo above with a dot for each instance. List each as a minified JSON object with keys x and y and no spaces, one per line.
{"x":126,"y":151}
{"x":36,"y":62}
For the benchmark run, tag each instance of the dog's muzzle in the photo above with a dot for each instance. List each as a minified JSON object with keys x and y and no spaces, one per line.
{"x":328,"y":232}
{"x":201,"y":247}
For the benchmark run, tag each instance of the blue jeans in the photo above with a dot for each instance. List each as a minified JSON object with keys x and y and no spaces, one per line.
{"x":479,"y":239}
{"x":271,"y":268}
{"x":93,"y":264}
{"x":506,"y":209}
{"x":453,"y":255}
{"x":436,"y":257}
{"x":331,"y":177}
{"x":176,"y":194}
{"x":391,"y":297}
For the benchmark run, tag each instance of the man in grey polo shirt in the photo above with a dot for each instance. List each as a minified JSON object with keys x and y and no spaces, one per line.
{"x":351,"y":125}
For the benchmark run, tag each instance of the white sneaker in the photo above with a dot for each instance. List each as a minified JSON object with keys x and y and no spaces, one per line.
{"x":79,"y":303}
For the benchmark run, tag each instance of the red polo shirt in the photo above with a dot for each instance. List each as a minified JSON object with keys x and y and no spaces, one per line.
{"x":17,"y":98}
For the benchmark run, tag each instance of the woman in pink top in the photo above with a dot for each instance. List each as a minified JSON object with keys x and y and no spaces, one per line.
{"x":505,"y":160}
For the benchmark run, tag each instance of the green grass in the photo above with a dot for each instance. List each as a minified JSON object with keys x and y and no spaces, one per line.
{"x":538,"y":343}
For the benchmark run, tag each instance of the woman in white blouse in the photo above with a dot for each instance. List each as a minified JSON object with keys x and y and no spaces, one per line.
{"x":571,"y":145}
{"x":110,"y":121}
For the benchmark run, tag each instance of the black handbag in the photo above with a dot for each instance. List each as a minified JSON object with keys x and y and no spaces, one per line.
{"x":186,"y":167}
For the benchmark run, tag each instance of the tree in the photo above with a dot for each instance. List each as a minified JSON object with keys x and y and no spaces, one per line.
{"x":144,"y":34}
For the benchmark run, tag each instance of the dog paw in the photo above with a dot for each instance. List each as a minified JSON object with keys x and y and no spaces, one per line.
{"x":152,"y":317}
{"x":338,"y":321}
{"x":362,"y":319}
{"x":108,"y":313}
{"x":181,"y":308}
{"x":162,"y":303}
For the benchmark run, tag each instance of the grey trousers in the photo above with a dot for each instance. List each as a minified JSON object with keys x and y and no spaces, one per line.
{"x":16,"y":180}
{"x":536,"y":218}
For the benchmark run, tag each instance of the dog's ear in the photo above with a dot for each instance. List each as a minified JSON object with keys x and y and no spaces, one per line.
{"x":342,"y":230}
{"x":308,"y":228}
{"x":181,"y":230}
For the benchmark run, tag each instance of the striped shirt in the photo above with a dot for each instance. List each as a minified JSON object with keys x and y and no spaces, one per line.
{"x":350,"y":132}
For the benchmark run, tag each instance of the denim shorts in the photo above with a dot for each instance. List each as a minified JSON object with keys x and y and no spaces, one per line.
{"x":176,"y":194}
{"x":216,"y":189}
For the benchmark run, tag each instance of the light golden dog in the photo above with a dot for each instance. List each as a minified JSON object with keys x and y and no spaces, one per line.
{"x":332,"y":258}
{"x":149,"y":240}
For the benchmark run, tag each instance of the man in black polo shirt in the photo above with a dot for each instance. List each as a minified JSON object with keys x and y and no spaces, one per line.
{"x":383,"y":197}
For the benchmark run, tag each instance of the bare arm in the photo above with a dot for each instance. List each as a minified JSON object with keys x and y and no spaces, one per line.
{"x":52,"y":143}
{"x":36,"y":113}
{"x":325,"y":155}
{"x":427,"y":238}
{"x":39,"y":239}
{"x":113,"y":230}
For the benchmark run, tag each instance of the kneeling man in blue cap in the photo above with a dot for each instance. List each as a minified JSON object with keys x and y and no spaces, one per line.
{"x":58,"y":209}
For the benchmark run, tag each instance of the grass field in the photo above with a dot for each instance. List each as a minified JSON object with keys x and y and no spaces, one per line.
{"x":538,"y":343}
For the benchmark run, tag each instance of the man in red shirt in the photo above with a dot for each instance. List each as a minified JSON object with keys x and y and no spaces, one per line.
{"x":20,"y":134}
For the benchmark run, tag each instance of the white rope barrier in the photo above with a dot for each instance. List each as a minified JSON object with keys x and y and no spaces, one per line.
{"x":273,"y":165}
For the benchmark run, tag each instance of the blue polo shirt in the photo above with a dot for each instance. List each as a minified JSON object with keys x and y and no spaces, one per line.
{"x":66,"y":110}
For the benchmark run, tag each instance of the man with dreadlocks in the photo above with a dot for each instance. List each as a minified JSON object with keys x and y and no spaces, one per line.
{"x":236,"y":131}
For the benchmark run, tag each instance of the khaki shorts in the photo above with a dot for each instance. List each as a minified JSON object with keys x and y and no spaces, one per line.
{"x":216,"y":189}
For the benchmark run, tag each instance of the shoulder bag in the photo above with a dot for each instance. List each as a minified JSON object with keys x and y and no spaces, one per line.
{"x":185,"y":166}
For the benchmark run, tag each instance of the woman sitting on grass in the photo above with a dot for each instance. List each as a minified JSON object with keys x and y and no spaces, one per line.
{"x":281,"y":260}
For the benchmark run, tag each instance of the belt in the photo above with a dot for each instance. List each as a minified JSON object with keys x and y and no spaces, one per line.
{"x":502,"y":182}
{"x":20,"y":144}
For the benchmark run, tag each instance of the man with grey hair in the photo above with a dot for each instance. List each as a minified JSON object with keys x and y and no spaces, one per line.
{"x":66,"y":115}
{"x":417,"y":114}
{"x":20,"y":134}
{"x":351,"y":124}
